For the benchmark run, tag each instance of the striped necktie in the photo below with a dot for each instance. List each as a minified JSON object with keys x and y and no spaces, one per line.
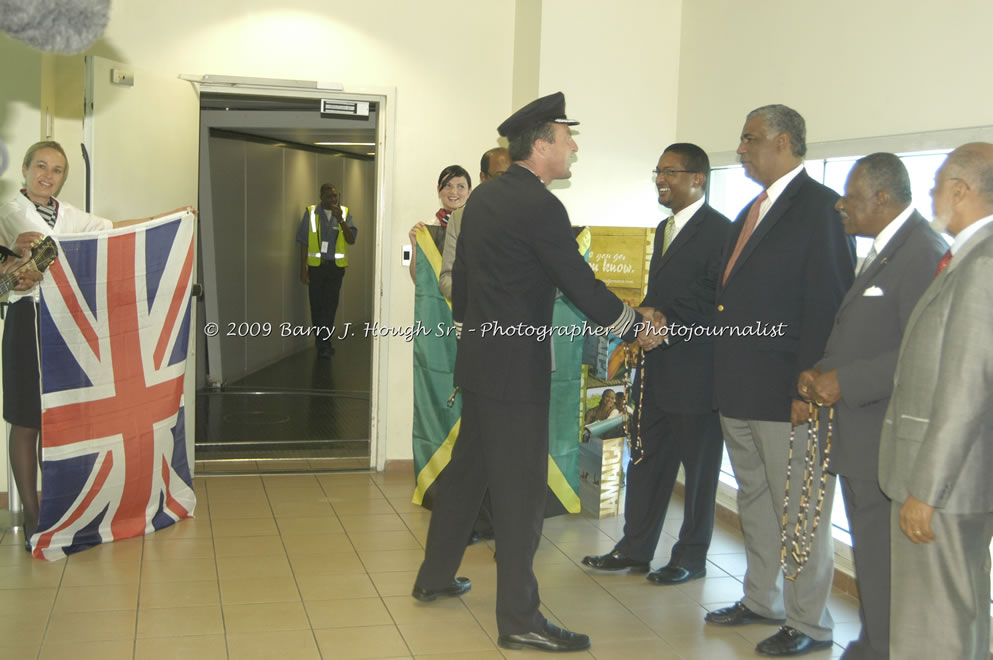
{"x":869,"y":258}
{"x":670,"y":231}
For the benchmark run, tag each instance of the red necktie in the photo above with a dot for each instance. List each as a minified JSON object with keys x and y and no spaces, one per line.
{"x":944,"y":262}
{"x":442,"y":216}
{"x":746,"y":233}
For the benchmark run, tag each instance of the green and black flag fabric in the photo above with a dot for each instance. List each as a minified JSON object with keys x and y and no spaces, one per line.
{"x":436,"y":425}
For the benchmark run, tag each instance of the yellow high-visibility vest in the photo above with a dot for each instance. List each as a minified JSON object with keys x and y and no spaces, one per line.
{"x":314,"y":240}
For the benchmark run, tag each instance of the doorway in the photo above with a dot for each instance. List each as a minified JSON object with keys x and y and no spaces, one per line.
{"x":265,"y":400}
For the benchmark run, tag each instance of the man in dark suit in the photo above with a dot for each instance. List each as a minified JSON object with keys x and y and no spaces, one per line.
{"x":516,"y":247}
{"x":787,"y":267}
{"x":936,"y":450}
{"x":856,"y":373}
{"x":678,"y":424}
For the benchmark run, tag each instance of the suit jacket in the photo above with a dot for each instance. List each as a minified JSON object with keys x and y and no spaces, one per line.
{"x":516,"y":246}
{"x":937,"y":440}
{"x":794,"y":270}
{"x":865,"y":342}
{"x":448,"y":254}
{"x":682,"y":285}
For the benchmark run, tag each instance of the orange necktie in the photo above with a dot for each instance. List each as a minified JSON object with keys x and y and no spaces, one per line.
{"x":746,"y":233}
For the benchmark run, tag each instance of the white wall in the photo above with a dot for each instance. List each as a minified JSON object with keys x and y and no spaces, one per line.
{"x":852,"y":68}
{"x":451,"y":67}
{"x":618,"y":67}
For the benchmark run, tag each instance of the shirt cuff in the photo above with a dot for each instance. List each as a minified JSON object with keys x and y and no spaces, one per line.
{"x":623,"y":324}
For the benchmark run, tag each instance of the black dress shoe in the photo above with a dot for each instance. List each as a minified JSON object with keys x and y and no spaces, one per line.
{"x":790,"y":641}
{"x":615,"y":561}
{"x":552,"y":638}
{"x":675,"y":575}
{"x":737,"y":615}
{"x":459,"y":586}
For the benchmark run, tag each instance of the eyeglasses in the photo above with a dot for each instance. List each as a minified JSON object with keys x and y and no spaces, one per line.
{"x":669,"y":172}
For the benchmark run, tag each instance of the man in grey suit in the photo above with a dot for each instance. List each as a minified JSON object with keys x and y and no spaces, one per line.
{"x":936,"y":450}
{"x":856,"y":373}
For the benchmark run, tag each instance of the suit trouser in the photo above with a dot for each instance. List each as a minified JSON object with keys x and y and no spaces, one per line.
{"x":669,"y":439}
{"x":868,"y":511}
{"x":759,"y":451}
{"x":502,"y":446}
{"x":324,"y":291}
{"x":940,"y":603}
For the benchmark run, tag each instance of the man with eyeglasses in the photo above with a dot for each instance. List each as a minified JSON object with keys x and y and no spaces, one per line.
{"x":674,"y":393}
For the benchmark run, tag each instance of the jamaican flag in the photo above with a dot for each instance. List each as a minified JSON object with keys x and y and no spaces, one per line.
{"x":436,"y":425}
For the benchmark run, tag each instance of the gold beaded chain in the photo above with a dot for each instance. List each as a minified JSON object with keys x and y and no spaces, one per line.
{"x":803,"y":532}
{"x":634,"y":440}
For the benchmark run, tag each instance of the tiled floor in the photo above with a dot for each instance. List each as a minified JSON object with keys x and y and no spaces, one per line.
{"x":321,"y":566}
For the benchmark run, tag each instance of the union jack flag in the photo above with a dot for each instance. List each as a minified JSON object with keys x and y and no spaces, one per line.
{"x":114,"y":331}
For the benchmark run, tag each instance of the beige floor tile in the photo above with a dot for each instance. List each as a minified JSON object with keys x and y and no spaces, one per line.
{"x":265,"y":617}
{"x":14,"y":555}
{"x":198,"y":527}
{"x":178,"y":570}
{"x":97,"y":598}
{"x":257,"y":507}
{"x":23,"y":627}
{"x":720,"y":645}
{"x":668,"y":620}
{"x":395,"y":583}
{"x":167,"y":621}
{"x":391,"y":560}
{"x":117,"y":552}
{"x":336,"y":586}
{"x":101,"y":650}
{"x":647,"y":649}
{"x":36,"y":575}
{"x":259,"y":590}
{"x":302,"y":508}
{"x":358,"y":523}
{"x":479,"y":655}
{"x":295,"y":644}
{"x":245,"y":527}
{"x":19,"y":648}
{"x":340,"y":562}
{"x":203,"y":647}
{"x":384,"y":541}
{"x":643,"y":594}
{"x":91,"y":626}
{"x":365,"y":642}
{"x":561,"y":575}
{"x":156,"y":595}
{"x":191,"y":548}
{"x":289,"y":481}
{"x":712,"y":589}
{"x":36,"y":602}
{"x":732,"y":563}
{"x":347,"y":613}
{"x":308,"y":525}
{"x":246,"y":568}
{"x":96,"y":573}
{"x":364,"y":507}
{"x":403,"y":504}
{"x":318,"y":544}
{"x":609,"y":626}
{"x":445,"y":637}
{"x":341,"y":492}
{"x":405,"y":609}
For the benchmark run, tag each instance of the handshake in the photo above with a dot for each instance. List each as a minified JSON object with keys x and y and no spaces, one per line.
{"x":653,"y":328}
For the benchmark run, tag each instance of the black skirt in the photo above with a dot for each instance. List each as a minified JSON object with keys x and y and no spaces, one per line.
{"x":21,"y":383}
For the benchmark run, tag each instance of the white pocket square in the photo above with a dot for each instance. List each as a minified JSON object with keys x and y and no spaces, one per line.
{"x":873,"y":291}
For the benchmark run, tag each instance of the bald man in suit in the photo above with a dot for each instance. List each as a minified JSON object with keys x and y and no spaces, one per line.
{"x":936,"y":450}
